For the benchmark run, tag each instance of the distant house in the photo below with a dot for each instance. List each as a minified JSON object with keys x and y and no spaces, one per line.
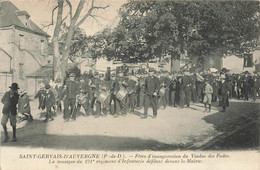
{"x":23,"y":46}
{"x":250,"y":62}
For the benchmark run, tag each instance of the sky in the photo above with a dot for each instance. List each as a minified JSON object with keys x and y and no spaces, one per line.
{"x":40,"y":11}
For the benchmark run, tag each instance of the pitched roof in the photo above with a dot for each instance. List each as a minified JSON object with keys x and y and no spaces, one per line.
{"x":9,"y":16}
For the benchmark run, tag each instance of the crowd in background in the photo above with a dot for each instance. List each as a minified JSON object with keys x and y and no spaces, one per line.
{"x":101,"y":94}
{"x":123,"y":93}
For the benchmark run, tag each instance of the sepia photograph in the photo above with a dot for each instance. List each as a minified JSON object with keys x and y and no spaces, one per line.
{"x":129,"y":84}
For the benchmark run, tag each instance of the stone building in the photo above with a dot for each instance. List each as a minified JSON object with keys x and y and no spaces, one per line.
{"x":23,"y":46}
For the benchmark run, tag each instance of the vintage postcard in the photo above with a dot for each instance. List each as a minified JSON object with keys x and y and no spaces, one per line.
{"x":129,"y":84}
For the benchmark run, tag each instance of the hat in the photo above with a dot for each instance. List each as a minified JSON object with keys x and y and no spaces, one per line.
{"x":72,"y":75}
{"x":47,"y":86}
{"x":14,"y":86}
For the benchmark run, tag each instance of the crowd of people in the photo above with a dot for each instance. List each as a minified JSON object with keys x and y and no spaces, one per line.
{"x":122,"y":93}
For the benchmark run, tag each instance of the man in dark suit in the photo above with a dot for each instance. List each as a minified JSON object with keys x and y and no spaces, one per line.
{"x":152,"y":86}
{"x":225,"y":90}
{"x":71,"y":91}
{"x":186,"y":83}
{"x":10,"y":100}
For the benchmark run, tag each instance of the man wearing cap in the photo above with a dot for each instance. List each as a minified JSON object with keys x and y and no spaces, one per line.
{"x":173,"y":89}
{"x":84,"y":96}
{"x":140,"y":91}
{"x":114,"y":88}
{"x":208,"y":90}
{"x":101,"y":106}
{"x":152,"y":85}
{"x":72,"y":90}
{"x":132,"y":94}
{"x":10,"y":100}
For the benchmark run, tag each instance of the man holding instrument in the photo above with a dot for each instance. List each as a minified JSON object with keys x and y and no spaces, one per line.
{"x":152,"y":85}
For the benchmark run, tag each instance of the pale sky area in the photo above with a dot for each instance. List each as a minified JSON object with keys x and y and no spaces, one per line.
{"x":40,"y":11}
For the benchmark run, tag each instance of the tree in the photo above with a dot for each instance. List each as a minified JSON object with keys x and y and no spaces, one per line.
{"x":152,"y":29}
{"x":62,"y":54}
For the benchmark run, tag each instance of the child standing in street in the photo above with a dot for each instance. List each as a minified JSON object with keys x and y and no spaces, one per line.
{"x":207,"y":96}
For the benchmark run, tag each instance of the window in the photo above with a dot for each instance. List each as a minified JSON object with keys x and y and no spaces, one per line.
{"x":21,"y":42}
{"x":248,"y":60}
{"x":20,"y":70}
{"x":42,"y":47}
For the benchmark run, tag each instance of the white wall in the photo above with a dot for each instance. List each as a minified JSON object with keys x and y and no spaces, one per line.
{"x":233,"y":62}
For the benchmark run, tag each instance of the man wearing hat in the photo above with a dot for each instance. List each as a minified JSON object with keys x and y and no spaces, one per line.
{"x":225,"y":90}
{"x":49,"y":101}
{"x":40,"y":96}
{"x":152,"y":85}
{"x":72,"y":90}
{"x":10,"y":100}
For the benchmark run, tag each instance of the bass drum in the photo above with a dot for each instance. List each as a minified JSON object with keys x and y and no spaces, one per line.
{"x":121,"y":94}
{"x":103,"y":97}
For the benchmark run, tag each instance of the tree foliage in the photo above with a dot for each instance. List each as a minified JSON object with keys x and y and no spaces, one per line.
{"x":153,"y":29}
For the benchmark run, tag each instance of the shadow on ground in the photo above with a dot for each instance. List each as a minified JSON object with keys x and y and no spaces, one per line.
{"x":239,"y":126}
{"x":39,"y":138}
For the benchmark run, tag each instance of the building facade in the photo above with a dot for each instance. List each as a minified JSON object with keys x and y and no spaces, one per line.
{"x":23,"y":47}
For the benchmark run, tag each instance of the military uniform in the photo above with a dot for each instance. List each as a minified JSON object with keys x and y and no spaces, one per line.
{"x":173,"y":88}
{"x":132,"y":94}
{"x":141,"y":90}
{"x":102,"y":106}
{"x":152,"y":85}
{"x":83,"y":98}
{"x":71,"y":91}
{"x":187,"y":89}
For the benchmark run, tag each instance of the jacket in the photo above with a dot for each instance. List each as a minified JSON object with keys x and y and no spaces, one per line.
{"x":10,"y":100}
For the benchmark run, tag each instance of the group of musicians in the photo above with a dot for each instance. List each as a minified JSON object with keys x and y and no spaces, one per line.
{"x":122,"y":94}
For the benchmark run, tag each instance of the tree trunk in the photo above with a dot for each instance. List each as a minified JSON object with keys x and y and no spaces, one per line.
{"x":58,"y":72}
